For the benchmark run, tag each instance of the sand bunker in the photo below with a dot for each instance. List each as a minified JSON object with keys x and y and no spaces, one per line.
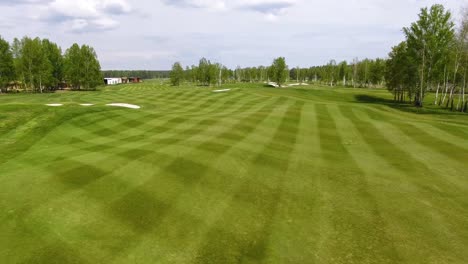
{"x":298,"y":84}
{"x":54,"y":104}
{"x":124,"y":105}
{"x":86,"y":104}
{"x":220,"y":91}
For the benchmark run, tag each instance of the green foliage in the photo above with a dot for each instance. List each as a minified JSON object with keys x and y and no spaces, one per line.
{"x":203,"y":71}
{"x":331,"y":72}
{"x":377,"y":71}
{"x":208,"y":73}
{"x":73,"y":66}
{"x":401,"y":73}
{"x":343,"y":72}
{"x":39,"y":65}
{"x":34,"y":64}
{"x":82,"y":68}
{"x":144,"y":74}
{"x":177,"y":74}
{"x":16,"y":50}
{"x":430,"y":40}
{"x":279,"y":71}
{"x":54,"y":55}
{"x":7,"y":73}
{"x":92,"y":76}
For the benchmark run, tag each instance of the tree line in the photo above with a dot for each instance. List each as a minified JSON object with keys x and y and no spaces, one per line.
{"x":38,"y":65}
{"x":143,"y":74}
{"x":209,"y":73}
{"x":433,"y":58}
{"x":359,"y":73}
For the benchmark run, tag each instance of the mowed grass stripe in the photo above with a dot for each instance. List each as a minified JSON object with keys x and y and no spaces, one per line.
{"x":112,"y":145}
{"x":451,"y":150}
{"x":124,"y":121}
{"x":245,"y":240}
{"x":117,"y":148}
{"x":35,"y":132}
{"x":185,"y":170}
{"x":353,"y":228}
{"x":444,"y":135}
{"x":298,"y":204}
{"x":161,"y":134}
{"x":213,"y":105}
{"x":145,"y":220}
{"x":78,"y":170}
{"x":138,"y":193}
{"x":455,"y":130}
{"x":74,"y":180}
{"x":286,"y":179}
{"x":424,"y":158}
{"x":202,"y":180}
{"x":416,"y":187}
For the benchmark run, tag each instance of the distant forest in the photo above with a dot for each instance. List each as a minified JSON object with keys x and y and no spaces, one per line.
{"x":136,"y":73}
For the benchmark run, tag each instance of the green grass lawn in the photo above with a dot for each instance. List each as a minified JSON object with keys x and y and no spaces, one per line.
{"x":253,"y":175}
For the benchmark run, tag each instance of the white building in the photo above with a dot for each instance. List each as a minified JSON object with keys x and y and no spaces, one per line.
{"x":112,"y":81}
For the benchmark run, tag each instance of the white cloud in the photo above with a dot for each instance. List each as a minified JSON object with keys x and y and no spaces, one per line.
{"x":85,"y":15}
{"x":270,"y":8}
{"x":208,"y":4}
{"x":19,"y":2}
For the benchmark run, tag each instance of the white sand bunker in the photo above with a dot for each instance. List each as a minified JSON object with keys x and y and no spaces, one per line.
{"x":124,"y":105}
{"x":86,"y":104}
{"x":297,"y":84}
{"x":54,"y":104}
{"x":221,"y":91}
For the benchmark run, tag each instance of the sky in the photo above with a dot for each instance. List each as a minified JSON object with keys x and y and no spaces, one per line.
{"x":153,"y":34}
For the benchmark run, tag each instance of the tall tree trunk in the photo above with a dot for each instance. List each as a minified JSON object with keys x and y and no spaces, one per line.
{"x":450,"y":100}
{"x":444,"y":83}
{"x":220,"y":74}
{"x":31,"y":77}
{"x":437,"y":93}
{"x":463,"y":92}
{"x":446,"y":90}
{"x":457,"y":64}
{"x":297,"y":74}
{"x":421,"y":87}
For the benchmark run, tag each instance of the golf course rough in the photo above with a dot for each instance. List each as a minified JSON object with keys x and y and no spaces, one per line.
{"x":255,"y":175}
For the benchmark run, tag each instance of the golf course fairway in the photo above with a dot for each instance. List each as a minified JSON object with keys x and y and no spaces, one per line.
{"x":252,"y":174}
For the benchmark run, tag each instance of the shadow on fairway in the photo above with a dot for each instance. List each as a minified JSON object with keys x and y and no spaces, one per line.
{"x":55,"y":254}
{"x":405,"y":107}
{"x":370,"y":99}
{"x":140,"y":210}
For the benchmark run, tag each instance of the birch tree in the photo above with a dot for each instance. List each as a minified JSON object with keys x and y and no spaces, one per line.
{"x":177,"y":74}
{"x":429,"y":41}
{"x":279,"y":71}
{"x":7,"y":73}
{"x":462,"y":39}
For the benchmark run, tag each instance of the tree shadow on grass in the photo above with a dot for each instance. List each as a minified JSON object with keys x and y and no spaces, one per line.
{"x":55,"y":253}
{"x":404,"y":106}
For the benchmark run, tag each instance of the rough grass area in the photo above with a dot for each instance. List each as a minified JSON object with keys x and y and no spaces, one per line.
{"x":252,"y":175}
